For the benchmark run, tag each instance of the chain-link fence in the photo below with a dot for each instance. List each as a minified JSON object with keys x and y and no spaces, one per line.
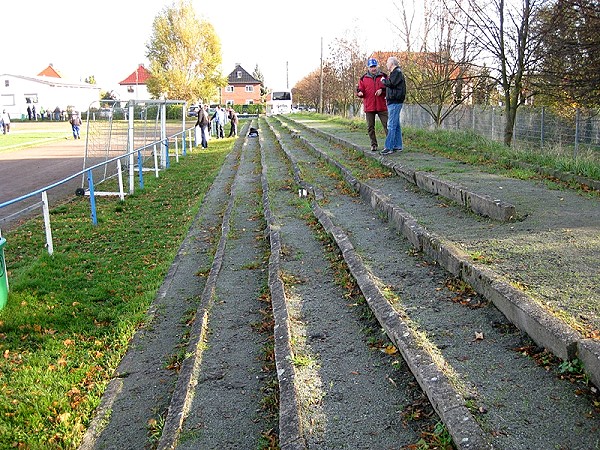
{"x":575,"y":133}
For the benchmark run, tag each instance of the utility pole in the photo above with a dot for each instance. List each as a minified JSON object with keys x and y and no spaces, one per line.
{"x":287,"y":75}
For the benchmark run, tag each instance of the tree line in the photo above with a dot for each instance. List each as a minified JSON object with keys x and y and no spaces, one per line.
{"x":484,"y":52}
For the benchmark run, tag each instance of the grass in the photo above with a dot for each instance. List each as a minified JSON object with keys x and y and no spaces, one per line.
{"x":70,"y":316}
{"x":493,"y":156}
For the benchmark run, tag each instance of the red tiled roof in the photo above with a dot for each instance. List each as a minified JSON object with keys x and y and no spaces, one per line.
{"x":139,"y":76}
{"x":49,"y":72}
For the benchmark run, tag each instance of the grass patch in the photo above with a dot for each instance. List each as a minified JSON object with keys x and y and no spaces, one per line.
{"x":70,"y":316}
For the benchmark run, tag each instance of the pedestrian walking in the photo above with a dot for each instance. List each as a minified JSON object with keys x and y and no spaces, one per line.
{"x":395,"y":93}
{"x":75,"y":124}
{"x":372,"y":92}
{"x":5,"y":119}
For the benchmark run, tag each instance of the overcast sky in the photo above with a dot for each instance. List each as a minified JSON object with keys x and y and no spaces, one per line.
{"x":107,"y":38}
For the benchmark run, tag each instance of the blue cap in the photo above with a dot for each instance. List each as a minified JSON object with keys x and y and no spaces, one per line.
{"x":372,"y":62}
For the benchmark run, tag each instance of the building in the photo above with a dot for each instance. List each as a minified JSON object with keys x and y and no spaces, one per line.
{"x":242,"y":88}
{"x":134,"y":86}
{"x":47,"y":91}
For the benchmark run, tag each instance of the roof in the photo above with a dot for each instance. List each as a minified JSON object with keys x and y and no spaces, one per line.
{"x":138,"y":76}
{"x":49,"y":72}
{"x":53,"y":81}
{"x":241,"y":76}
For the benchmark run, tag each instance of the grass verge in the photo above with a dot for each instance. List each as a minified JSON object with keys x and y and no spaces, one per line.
{"x":70,"y":316}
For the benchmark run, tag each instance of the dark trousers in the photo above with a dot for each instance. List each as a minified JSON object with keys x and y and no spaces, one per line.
{"x":383,"y":117}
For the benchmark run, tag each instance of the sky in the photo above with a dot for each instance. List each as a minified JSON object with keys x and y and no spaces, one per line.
{"x":107,"y":38}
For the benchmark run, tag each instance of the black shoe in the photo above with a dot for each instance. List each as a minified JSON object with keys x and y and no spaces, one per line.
{"x":387,"y":151}
{"x":373,"y":148}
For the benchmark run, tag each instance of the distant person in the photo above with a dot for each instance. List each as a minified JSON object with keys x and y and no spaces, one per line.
{"x":28,"y":111}
{"x":372,"y":91}
{"x":75,"y":124}
{"x":5,"y":119}
{"x":395,"y":93}
{"x":33,"y":113}
{"x":57,"y":113}
{"x":219,"y":119}
{"x":202,"y":124}
{"x":42,"y":113}
{"x":233,"y":119}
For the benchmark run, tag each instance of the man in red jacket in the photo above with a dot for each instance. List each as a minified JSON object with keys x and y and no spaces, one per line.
{"x":371,"y":89}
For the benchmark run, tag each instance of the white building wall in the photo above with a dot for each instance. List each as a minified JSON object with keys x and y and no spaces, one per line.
{"x":44,"y":92}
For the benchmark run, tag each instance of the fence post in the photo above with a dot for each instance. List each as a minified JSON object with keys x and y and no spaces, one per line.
{"x":140,"y":168}
{"x":120,"y":177}
{"x":90,"y":178}
{"x":130,"y":146}
{"x":577,"y":119}
{"x":46,"y":214}
{"x":543,"y":119}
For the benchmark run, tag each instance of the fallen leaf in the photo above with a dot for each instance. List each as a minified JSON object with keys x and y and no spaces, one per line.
{"x":390,"y":349}
{"x":478,"y":336}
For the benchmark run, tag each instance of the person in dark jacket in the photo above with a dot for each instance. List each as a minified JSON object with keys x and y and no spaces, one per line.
{"x":395,"y":93}
{"x":233,"y":119}
{"x":202,"y":126}
{"x":372,"y":91}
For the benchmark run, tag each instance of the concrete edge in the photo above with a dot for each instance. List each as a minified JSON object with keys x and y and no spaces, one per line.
{"x":524,"y":312}
{"x":290,"y":433}
{"x":481,"y":204}
{"x":187,"y":380}
{"x":448,"y":403}
{"x":543,"y":327}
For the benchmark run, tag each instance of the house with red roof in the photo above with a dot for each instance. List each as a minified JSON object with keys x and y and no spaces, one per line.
{"x":133,"y":87}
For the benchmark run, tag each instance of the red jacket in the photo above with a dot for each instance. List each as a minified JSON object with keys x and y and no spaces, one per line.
{"x":368,"y":85}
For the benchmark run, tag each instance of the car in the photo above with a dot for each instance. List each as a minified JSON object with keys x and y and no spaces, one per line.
{"x":193,"y":111}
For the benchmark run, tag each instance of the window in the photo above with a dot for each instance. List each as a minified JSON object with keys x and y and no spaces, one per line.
{"x":8,"y":100}
{"x":249,"y":102}
{"x":229,"y":103}
{"x":239,"y":74}
{"x":229,"y":88}
{"x":6,"y":83}
{"x":249,"y":88}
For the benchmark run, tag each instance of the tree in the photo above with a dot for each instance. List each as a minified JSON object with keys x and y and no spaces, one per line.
{"x":257,"y":74}
{"x":503,"y":32}
{"x":569,"y":70}
{"x":307,"y":90}
{"x":346,"y":63}
{"x":440,"y":76}
{"x":184,"y":55}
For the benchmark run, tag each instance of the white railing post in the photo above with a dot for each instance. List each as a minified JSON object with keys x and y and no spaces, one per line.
{"x":120,"y":177}
{"x":46,"y":214}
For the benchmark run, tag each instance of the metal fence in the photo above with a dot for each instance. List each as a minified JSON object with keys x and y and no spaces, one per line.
{"x":142,"y":146}
{"x":576,"y":132}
